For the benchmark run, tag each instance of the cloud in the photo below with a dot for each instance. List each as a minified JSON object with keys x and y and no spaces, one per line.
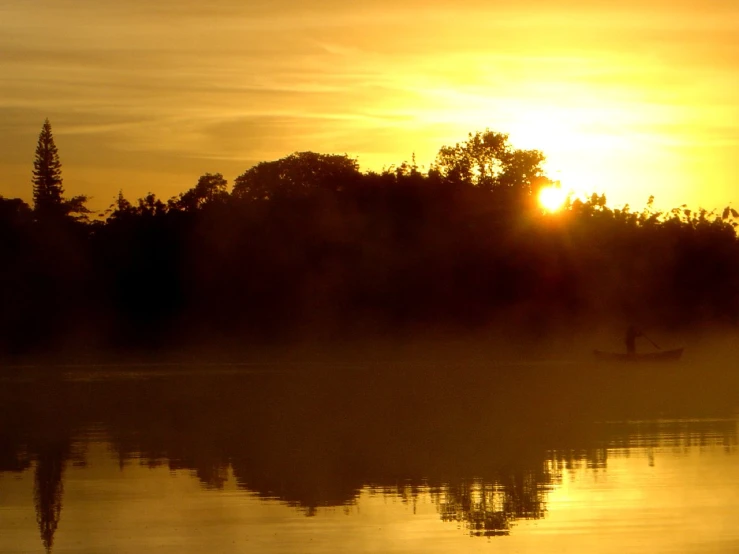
{"x":230,"y":81}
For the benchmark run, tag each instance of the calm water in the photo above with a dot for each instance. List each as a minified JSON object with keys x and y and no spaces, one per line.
{"x":546,"y":457}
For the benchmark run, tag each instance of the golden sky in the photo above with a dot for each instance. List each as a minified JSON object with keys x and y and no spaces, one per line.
{"x":629,"y":98}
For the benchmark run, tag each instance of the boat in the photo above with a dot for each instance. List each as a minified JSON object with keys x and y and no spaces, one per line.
{"x":661,"y":356}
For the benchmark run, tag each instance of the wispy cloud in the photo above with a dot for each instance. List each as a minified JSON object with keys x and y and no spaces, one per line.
{"x":182,"y":86}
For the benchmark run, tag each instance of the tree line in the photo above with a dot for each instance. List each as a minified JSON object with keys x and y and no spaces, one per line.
{"x":308,"y":247}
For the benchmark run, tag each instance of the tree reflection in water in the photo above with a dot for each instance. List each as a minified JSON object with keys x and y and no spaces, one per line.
{"x":490,"y":509}
{"x":315,"y":441}
{"x":48,"y":489}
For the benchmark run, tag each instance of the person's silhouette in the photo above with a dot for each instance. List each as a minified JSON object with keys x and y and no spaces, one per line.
{"x":631,"y":334}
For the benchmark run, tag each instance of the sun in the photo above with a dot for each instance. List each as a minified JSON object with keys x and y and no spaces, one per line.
{"x":552,"y":198}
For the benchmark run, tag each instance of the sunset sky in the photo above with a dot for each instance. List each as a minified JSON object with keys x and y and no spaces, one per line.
{"x":629,"y":98}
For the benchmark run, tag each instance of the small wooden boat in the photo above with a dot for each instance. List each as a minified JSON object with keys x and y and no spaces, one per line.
{"x":661,"y":356}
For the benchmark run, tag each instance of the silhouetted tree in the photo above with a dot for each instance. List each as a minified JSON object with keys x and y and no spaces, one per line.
{"x":308,"y":246}
{"x":296,"y":175}
{"x":120,"y":208}
{"x":151,"y":206}
{"x":211,"y":187}
{"x":488,"y":161}
{"x":47,"y":175}
{"x":48,"y":193}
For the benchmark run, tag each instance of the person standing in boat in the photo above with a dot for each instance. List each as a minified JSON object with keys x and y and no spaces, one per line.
{"x":631,"y":334}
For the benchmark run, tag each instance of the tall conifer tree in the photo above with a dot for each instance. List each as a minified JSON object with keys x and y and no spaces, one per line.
{"x":47,"y":175}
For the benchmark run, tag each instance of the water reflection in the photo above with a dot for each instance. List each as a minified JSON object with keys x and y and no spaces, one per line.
{"x":49,"y":488}
{"x":489,"y":509}
{"x":487,"y":447}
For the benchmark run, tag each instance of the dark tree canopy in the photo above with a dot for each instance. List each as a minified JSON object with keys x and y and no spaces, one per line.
{"x":210,"y":188}
{"x":296,"y":175}
{"x":308,"y":246}
{"x":487,"y":160}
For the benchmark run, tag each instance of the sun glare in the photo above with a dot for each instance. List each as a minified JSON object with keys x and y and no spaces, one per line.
{"x":552,"y":198}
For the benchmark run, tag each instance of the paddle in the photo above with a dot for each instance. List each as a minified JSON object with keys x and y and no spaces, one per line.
{"x":657,"y":346}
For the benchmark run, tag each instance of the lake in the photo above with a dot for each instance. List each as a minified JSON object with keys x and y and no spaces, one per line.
{"x":369,"y":457}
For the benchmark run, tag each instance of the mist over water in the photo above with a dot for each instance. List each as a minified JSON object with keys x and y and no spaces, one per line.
{"x":380,"y":455}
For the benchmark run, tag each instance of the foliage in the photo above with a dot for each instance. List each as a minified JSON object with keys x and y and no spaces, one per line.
{"x":487,"y":160}
{"x":47,"y":174}
{"x":296,"y":175}
{"x":48,"y":192}
{"x":309,"y":247}
{"x":210,"y":188}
